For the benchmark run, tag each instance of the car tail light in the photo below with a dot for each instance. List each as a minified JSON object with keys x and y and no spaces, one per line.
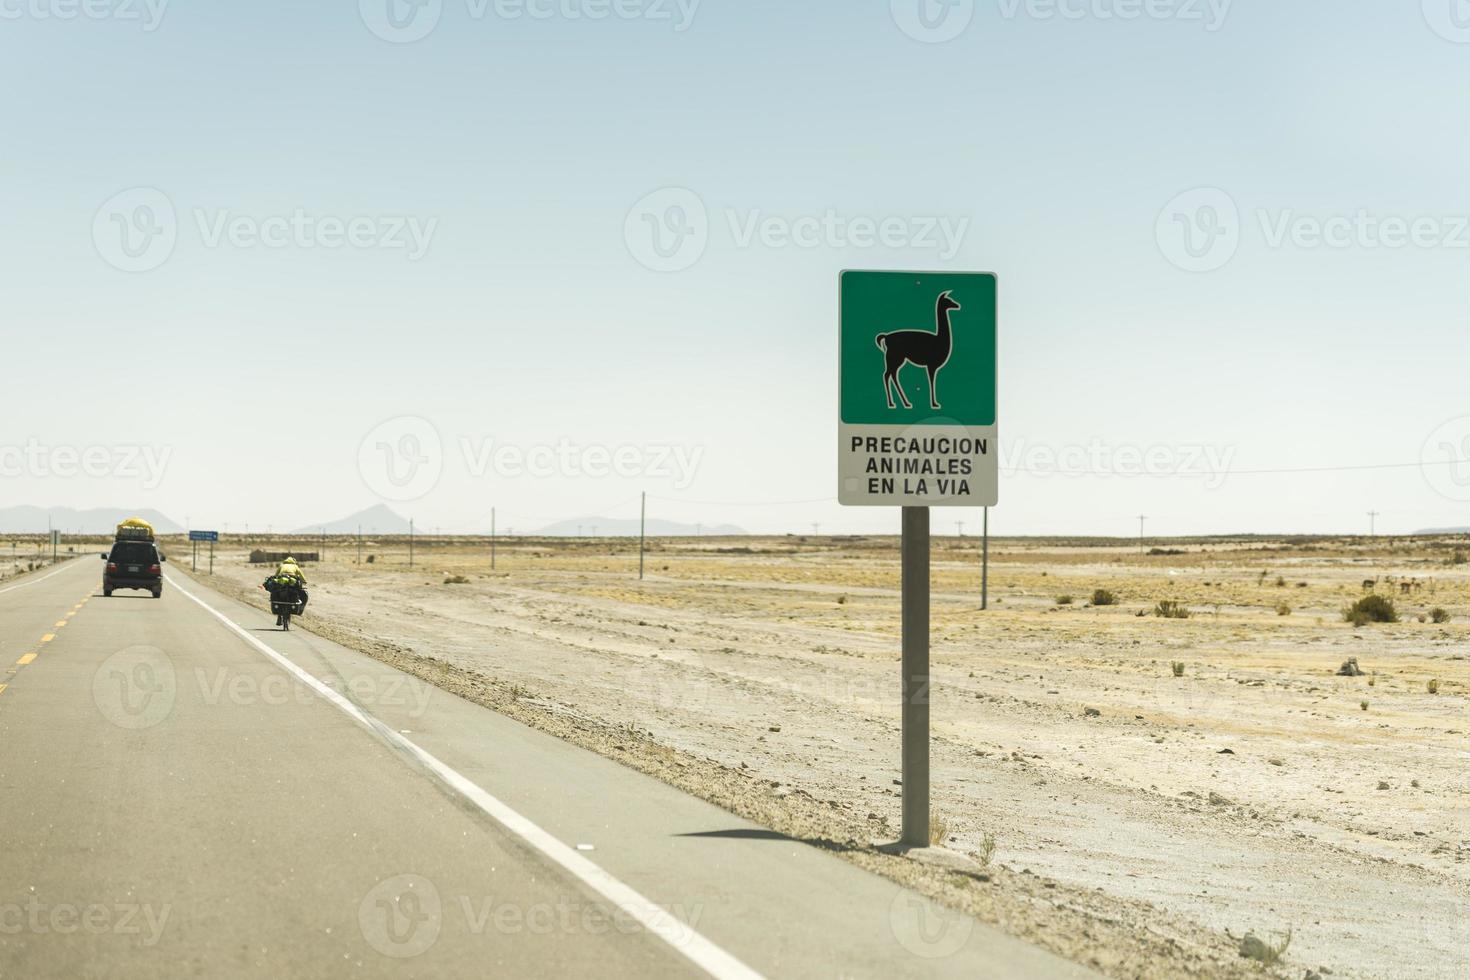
{"x":154,"y":570}
{"x":112,"y":566}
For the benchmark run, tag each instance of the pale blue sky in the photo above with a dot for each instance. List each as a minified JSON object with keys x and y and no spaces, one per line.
{"x":522,"y":144}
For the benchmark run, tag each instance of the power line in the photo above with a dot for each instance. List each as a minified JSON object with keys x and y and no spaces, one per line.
{"x":1227,"y":471}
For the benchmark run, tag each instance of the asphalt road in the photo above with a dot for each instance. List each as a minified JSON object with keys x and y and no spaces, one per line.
{"x":187,"y":791}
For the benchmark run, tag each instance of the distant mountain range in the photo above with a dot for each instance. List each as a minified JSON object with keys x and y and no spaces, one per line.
{"x":1445,"y":530}
{"x":378,"y":519}
{"x":100,"y":520}
{"x":605,"y":527}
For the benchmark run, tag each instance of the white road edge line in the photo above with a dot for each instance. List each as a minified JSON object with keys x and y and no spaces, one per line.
{"x":21,"y":585}
{"x":661,"y":923}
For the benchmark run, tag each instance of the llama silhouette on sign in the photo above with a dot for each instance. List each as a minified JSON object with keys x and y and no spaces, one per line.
{"x":929,"y":351}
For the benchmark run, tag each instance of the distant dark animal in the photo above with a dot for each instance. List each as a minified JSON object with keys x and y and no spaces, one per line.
{"x":929,"y":351}
{"x":1369,"y":583}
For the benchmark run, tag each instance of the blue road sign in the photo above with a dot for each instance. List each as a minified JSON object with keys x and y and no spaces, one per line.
{"x":203,"y":535}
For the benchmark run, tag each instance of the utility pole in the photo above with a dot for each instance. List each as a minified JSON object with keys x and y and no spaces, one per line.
{"x":410,"y":542}
{"x":1141,"y":519}
{"x":1372,"y":523}
{"x":816,"y":530}
{"x":642,"y":529}
{"x":985,"y":560}
{"x":492,"y":539}
{"x":959,"y":528}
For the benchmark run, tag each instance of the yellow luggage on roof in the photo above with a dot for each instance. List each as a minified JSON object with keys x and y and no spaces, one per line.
{"x":135,"y":529}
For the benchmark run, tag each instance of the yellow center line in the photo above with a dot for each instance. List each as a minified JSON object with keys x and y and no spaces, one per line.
{"x":3,"y":687}
{"x":70,"y":614}
{"x":26,"y":659}
{"x":60,"y":623}
{"x":48,"y":637}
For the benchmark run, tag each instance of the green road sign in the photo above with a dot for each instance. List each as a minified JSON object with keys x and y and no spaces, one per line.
{"x":917,"y":401}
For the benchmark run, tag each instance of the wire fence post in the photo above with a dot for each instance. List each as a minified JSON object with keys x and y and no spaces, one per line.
{"x":985,"y":561}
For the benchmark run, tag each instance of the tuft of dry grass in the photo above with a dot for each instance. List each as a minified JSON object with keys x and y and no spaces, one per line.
{"x":986,"y":853}
{"x":938,"y":828}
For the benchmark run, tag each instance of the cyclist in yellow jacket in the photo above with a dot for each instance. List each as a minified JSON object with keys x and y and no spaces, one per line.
{"x":289,"y":567}
{"x":288,"y":578}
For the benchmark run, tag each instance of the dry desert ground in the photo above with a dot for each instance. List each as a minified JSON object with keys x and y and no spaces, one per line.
{"x":1135,"y":791}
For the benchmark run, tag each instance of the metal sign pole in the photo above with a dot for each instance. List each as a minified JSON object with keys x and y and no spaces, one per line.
{"x":211,"y":556}
{"x":193,"y":556}
{"x":915,"y":563}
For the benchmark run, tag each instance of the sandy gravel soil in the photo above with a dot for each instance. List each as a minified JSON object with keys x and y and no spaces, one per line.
{"x":1140,"y":821}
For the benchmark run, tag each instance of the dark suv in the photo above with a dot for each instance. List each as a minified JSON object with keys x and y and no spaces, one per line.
{"x":133,"y":565}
